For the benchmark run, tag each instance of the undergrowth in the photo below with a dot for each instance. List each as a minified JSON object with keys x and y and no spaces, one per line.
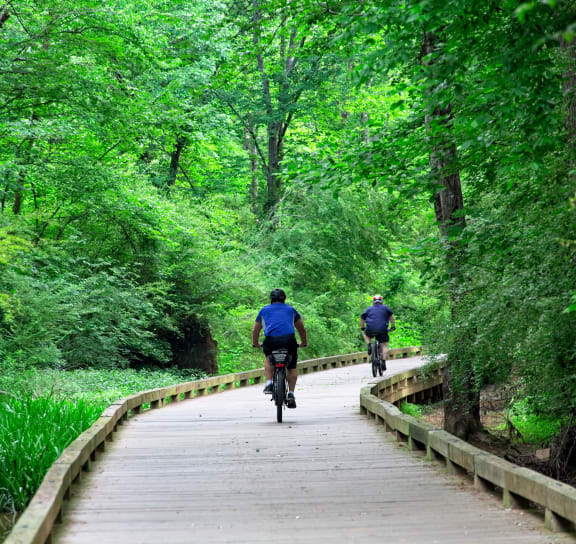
{"x":531,"y":427}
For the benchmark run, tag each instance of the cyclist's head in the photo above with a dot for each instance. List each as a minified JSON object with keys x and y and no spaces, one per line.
{"x":377,"y":299}
{"x":277,"y":295}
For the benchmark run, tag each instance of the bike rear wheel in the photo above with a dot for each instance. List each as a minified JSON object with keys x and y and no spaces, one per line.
{"x":279,"y":393}
{"x":375,"y":358}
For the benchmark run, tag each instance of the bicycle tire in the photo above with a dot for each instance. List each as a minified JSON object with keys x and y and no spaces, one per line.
{"x":280,"y":393}
{"x":374,"y":356}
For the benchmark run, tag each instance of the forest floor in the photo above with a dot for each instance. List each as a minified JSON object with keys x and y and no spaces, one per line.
{"x":502,"y":440}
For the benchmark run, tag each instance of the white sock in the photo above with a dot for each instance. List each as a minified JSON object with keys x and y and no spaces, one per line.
{"x":268,"y":382}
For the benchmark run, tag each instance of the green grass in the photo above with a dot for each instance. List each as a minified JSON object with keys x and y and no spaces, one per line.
{"x":534,"y":428}
{"x":414,"y":410}
{"x":43,"y":411}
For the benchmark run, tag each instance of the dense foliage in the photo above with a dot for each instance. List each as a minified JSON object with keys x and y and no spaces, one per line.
{"x":165,"y":164}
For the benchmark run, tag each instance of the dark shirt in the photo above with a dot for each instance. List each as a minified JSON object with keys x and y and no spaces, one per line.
{"x":377,"y":317}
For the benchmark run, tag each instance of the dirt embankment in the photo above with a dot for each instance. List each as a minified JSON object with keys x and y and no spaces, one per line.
{"x":502,"y":439}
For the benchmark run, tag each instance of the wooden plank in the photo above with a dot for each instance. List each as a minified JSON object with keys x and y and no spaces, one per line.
{"x":219,"y":469}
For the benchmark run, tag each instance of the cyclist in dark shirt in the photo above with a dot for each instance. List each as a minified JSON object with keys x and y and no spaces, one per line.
{"x":374,"y":323}
{"x":279,"y":322}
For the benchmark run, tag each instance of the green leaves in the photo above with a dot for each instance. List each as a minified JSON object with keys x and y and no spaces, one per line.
{"x":572,"y":307}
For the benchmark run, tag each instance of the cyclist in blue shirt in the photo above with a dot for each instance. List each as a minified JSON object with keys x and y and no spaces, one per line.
{"x":374,"y":323}
{"x":280,"y":323}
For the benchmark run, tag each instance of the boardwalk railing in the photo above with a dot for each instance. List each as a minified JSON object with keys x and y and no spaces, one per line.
{"x":46,"y":507}
{"x":520,"y":487}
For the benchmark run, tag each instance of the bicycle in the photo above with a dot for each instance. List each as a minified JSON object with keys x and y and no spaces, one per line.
{"x":280,"y":359}
{"x":378,"y":364}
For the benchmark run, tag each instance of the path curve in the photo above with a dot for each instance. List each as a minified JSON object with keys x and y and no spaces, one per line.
{"x":219,"y":469}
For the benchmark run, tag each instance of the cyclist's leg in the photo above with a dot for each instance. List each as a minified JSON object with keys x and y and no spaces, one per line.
{"x":384,"y":339}
{"x":384,"y":350}
{"x":368,"y":339}
{"x":292,"y":377}
{"x":268,"y":369}
{"x":292,"y":374}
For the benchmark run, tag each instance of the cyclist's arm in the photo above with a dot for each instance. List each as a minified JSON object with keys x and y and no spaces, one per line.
{"x":302,"y":332}
{"x":362,"y":323}
{"x":392,"y":322}
{"x":256,"y":334}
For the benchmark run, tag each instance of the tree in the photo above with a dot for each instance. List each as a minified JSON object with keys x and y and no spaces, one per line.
{"x":278,"y":60}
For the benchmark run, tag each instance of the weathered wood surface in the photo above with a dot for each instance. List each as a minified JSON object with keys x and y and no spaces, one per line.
{"x":219,"y":469}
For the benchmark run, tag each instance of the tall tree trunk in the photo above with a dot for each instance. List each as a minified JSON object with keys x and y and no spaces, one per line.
{"x":569,"y":94}
{"x":273,"y":180}
{"x":563,"y":449}
{"x":4,"y":16}
{"x":279,"y":117}
{"x":18,"y":193}
{"x":4,"y":194}
{"x":254,"y":177}
{"x":461,"y":397}
{"x":175,"y":160}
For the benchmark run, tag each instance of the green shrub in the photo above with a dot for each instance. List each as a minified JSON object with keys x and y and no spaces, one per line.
{"x":98,"y":317}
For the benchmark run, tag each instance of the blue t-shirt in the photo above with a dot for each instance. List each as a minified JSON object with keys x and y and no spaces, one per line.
{"x":377,"y":317}
{"x":278,"y":319}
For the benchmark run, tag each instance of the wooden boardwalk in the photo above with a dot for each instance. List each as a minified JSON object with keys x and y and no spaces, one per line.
{"x":219,"y":469}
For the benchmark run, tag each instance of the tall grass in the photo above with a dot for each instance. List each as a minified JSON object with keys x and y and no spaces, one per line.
{"x":33,"y":433}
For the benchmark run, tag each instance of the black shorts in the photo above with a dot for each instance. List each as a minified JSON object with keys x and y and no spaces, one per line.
{"x":276,"y":342}
{"x":381,"y":336}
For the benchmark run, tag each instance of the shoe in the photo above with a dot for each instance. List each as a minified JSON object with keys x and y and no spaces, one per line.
{"x":291,"y":400}
{"x":369,"y":349}
{"x":383,"y":365}
{"x":268,"y":389}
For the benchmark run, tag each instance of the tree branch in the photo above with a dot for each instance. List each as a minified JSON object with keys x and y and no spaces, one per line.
{"x":108,"y":151}
{"x":247,"y":126}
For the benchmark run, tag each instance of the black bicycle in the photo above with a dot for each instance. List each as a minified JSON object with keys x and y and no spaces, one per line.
{"x":378,"y":364}
{"x":280,"y":359}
